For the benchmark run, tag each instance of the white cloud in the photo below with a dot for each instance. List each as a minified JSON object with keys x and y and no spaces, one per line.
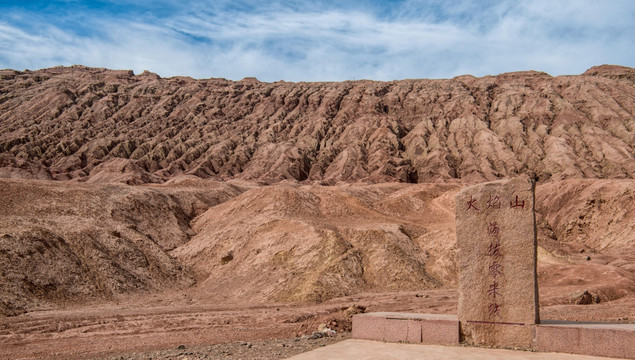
{"x":287,"y":43}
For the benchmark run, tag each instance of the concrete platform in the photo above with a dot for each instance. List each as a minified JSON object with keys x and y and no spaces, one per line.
{"x":593,"y":339}
{"x":601,"y":339}
{"x":433,"y":329}
{"x":372,"y":350}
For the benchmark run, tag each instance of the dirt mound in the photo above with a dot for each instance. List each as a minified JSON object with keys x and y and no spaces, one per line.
{"x":122,"y":171}
{"x":596,"y":214}
{"x":292,"y":243}
{"x":63,"y":242}
{"x":297,"y":243}
{"x":66,"y":122}
{"x":16,"y":168}
{"x":587,"y":230}
{"x":66,"y":243}
{"x":612,"y":72}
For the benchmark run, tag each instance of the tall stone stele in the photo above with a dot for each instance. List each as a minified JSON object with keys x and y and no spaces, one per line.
{"x":496,"y":235}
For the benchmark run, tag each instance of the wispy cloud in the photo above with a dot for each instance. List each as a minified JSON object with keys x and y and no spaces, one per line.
{"x":302,"y":41}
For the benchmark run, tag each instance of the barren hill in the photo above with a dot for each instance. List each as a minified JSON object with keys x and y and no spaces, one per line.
{"x":179,"y":197}
{"x":62,"y":243}
{"x":101,"y":125}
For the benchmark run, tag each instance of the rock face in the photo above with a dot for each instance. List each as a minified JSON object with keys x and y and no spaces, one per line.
{"x":496,"y":236}
{"x":64,"y":242}
{"x":78,"y":123}
{"x":81,"y":242}
{"x":298,"y":243}
{"x":137,"y":218}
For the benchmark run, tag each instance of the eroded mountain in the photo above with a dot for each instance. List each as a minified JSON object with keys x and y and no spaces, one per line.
{"x":102,"y":125}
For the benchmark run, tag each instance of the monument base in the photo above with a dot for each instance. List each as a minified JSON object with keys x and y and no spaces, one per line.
{"x":596,"y":339}
{"x":502,"y":335}
{"x":431,"y":329}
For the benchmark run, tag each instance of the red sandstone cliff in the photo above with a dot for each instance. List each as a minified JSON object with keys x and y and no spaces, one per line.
{"x":102,"y":125}
{"x":63,"y":242}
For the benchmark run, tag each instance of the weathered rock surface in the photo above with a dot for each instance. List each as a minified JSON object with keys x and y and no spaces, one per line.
{"x":143,"y":221}
{"x":81,"y":242}
{"x":586,"y":238}
{"x":63,"y":242}
{"x":72,"y":123}
{"x":496,"y":237}
{"x":297,"y":243}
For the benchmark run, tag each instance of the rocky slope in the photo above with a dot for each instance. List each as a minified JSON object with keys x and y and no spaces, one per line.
{"x":101,"y":125}
{"x":218,"y":188}
{"x":63,"y":243}
{"x":70,"y":243}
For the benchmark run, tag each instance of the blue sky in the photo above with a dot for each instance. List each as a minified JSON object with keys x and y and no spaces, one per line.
{"x":319,"y":40}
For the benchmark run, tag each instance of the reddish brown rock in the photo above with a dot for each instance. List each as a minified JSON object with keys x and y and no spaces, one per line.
{"x":496,"y":235}
{"x":122,"y":171}
{"x":181,"y":240}
{"x":66,"y":121}
{"x":585,"y":298}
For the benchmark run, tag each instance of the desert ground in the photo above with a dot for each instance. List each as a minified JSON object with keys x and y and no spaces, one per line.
{"x":143,"y":217}
{"x":389,"y":252}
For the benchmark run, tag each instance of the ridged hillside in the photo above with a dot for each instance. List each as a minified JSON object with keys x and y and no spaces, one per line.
{"x":101,"y":125}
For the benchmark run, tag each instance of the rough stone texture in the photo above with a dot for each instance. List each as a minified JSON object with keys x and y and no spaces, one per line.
{"x":496,"y":236}
{"x":368,"y":327}
{"x":610,"y":340}
{"x":63,"y":123}
{"x":407,"y":327}
{"x":402,"y":330}
{"x":68,"y":241}
{"x":499,"y":335}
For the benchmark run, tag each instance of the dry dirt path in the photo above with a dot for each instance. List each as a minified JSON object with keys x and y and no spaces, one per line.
{"x":142,"y":326}
{"x":179,"y":326}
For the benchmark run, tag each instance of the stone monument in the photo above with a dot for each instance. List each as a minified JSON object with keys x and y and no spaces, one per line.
{"x":498,"y":293}
{"x":496,"y":236}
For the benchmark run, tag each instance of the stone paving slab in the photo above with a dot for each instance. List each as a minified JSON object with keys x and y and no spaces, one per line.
{"x":374,"y":350}
{"x":571,"y":337}
{"x":589,"y":325}
{"x":433,"y":329}
{"x":616,"y":340}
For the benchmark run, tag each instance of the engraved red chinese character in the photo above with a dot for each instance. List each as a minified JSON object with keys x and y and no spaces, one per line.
{"x":494,"y":310}
{"x":494,"y":249}
{"x":470,"y":204}
{"x":494,"y":290}
{"x":520,"y":204}
{"x":494,"y":202}
{"x":495,"y":269}
{"x":493,"y":229}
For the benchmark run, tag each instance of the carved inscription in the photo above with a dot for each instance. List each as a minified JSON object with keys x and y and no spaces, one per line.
{"x":494,"y":248}
{"x":497,"y":261}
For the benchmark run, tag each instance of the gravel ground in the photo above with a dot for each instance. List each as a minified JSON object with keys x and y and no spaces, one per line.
{"x":255,"y":350}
